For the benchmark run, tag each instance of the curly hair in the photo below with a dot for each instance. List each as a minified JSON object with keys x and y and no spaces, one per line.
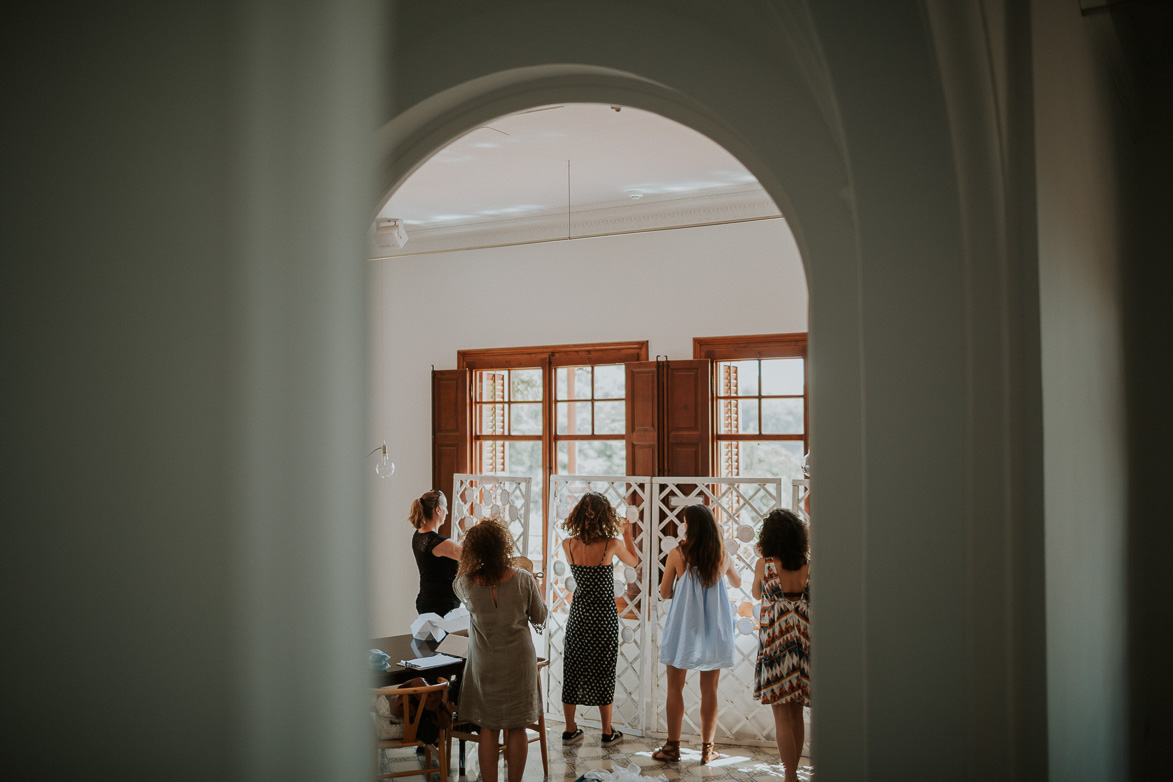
{"x":424,"y":509}
{"x":702,"y":548}
{"x":592,"y":518}
{"x":485,"y":552}
{"x":785,"y":537}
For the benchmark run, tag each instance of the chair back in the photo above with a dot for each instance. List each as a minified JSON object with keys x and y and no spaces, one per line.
{"x":413,"y":700}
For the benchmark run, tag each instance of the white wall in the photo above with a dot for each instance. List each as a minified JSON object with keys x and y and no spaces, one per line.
{"x":1079,"y":148}
{"x":663,"y":286}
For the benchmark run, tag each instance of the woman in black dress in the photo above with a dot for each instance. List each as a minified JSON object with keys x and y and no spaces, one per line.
{"x":436,"y":556}
{"x":592,"y":629}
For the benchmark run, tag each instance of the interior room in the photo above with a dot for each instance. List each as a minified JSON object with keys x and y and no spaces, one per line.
{"x":567,"y":225}
{"x":195,"y":365}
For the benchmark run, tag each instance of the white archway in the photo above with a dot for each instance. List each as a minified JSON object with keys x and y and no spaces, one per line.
{"x":900,"y":428}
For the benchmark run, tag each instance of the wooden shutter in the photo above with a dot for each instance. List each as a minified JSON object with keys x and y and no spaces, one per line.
{"x":687,"y":427}
{"x":643,"y":418}
{"x":450,"y":432}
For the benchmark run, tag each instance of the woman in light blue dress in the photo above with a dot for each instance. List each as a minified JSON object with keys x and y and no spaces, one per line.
{"x":698,"y":634}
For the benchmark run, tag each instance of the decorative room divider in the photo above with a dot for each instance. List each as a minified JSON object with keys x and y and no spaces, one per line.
{"x":629,"y":496}
{"x":738,"y":505}
{"x":653,"y":505}
{"x":501,"y":496}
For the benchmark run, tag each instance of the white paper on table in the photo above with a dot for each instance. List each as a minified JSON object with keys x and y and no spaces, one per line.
{"x":435,"y":661}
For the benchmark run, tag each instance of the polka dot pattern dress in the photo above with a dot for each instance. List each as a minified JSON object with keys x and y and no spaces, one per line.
{"x":592,"y":637}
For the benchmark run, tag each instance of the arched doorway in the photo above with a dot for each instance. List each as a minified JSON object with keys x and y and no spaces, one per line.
{"x":525,"y":231}
{"x":875,"y":205}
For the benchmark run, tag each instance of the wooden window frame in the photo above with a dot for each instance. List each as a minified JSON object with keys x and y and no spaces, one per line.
{"x":548,"y":358}
{"x":755,"y":346}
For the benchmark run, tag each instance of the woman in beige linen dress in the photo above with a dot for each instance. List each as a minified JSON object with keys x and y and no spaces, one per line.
{"x":500,"y":687}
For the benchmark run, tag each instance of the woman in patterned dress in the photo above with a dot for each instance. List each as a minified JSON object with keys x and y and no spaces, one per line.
{"x":592,"y":629}
{"x":782,"y":677}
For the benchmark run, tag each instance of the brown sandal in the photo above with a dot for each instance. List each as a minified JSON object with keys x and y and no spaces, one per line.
{"x":708,"y":752}
{"x":670,"y":752}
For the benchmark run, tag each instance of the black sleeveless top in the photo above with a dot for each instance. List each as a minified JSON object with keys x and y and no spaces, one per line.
{"x":436,"y":574}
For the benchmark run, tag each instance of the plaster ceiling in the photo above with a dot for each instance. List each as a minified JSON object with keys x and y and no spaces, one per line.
{"x":567,"y":171}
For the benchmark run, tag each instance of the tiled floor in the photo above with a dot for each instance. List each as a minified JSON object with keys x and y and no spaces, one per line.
{"x":759,"y":764}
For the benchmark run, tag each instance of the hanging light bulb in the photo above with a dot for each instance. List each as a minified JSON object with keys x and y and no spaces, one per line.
{"x":384,"y":467}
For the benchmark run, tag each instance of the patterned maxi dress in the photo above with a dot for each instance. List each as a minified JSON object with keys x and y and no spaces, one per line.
{"x":592,"y":637}
{"x":782,"y":674}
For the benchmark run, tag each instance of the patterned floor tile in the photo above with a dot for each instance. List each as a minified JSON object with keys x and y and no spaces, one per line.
{"x":735,"y":763}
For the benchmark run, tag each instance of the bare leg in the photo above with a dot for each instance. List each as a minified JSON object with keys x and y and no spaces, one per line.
{"x":605,"y":717}
{"x":568,"y":712}
{"x":488,"y":755}
{"x":674,"y":702}
{"x":516,"y":751}
{"x":709,"y":705}
{"x":799,"y":733}
{"x":788,"y":749}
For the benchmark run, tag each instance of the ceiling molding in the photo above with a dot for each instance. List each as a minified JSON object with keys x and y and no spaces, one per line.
{"x":648,"y":214}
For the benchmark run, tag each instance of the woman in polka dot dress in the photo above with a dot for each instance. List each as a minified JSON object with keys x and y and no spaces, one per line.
{"x":592,"y":630}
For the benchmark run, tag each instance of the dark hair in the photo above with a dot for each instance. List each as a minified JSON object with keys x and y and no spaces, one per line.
{"x":702,"y":548}
{"x":485,"y":552}
{"x":423,"y":509}
{"x":592,"y":518}
{"x":784,"y":537}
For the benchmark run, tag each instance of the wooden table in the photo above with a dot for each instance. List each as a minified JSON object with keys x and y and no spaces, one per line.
{"x":404,"y":647}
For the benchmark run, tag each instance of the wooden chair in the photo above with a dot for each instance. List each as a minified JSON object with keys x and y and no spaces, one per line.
{"x":412,"y":712}
{"x":466,"y":731}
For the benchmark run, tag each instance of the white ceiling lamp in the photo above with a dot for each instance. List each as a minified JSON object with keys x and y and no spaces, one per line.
{"x":389,"y":232}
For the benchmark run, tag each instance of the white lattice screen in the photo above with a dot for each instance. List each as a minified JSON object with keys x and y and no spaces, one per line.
{"x":738,"y":504}
{"x":800,"y":493}
{"x":629,"y":496}
{"x":506,"y":497}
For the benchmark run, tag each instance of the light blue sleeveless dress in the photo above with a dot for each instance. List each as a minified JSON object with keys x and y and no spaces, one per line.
{"x":698,"y":634}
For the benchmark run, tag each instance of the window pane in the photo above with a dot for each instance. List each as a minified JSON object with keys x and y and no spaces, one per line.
{"x":574,"y":382}
{"x":574,"y":418}
{"x":592,"y":457}
{"x":748,"y":411}
{"x":582,"y":383}
{"x":525,"y":459}
{"x":560,"y":375}
{"x":490,"y":419}
{"x":729,"y":413}
{"x":491,"y":456}
{"x":526,"y":385}
{"x":610,"y":417}
{"x":489,"y":386}
{"x":737,"y":378}
{"x":782,"y":416}
{"x":728,"y":459}
{"x":610,"y":381}
{"x":782,"y":376}
{"x":761,"y":460}
{"x":525,"y":419}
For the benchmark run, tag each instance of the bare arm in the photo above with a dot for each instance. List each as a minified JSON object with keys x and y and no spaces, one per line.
{"x":536,"y":610}
{"x":671,"y":570}
{"x":447,"y":548}
{"x":731,"y":569}
{"x":626,"y":550}
{"x":759,"y":574}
